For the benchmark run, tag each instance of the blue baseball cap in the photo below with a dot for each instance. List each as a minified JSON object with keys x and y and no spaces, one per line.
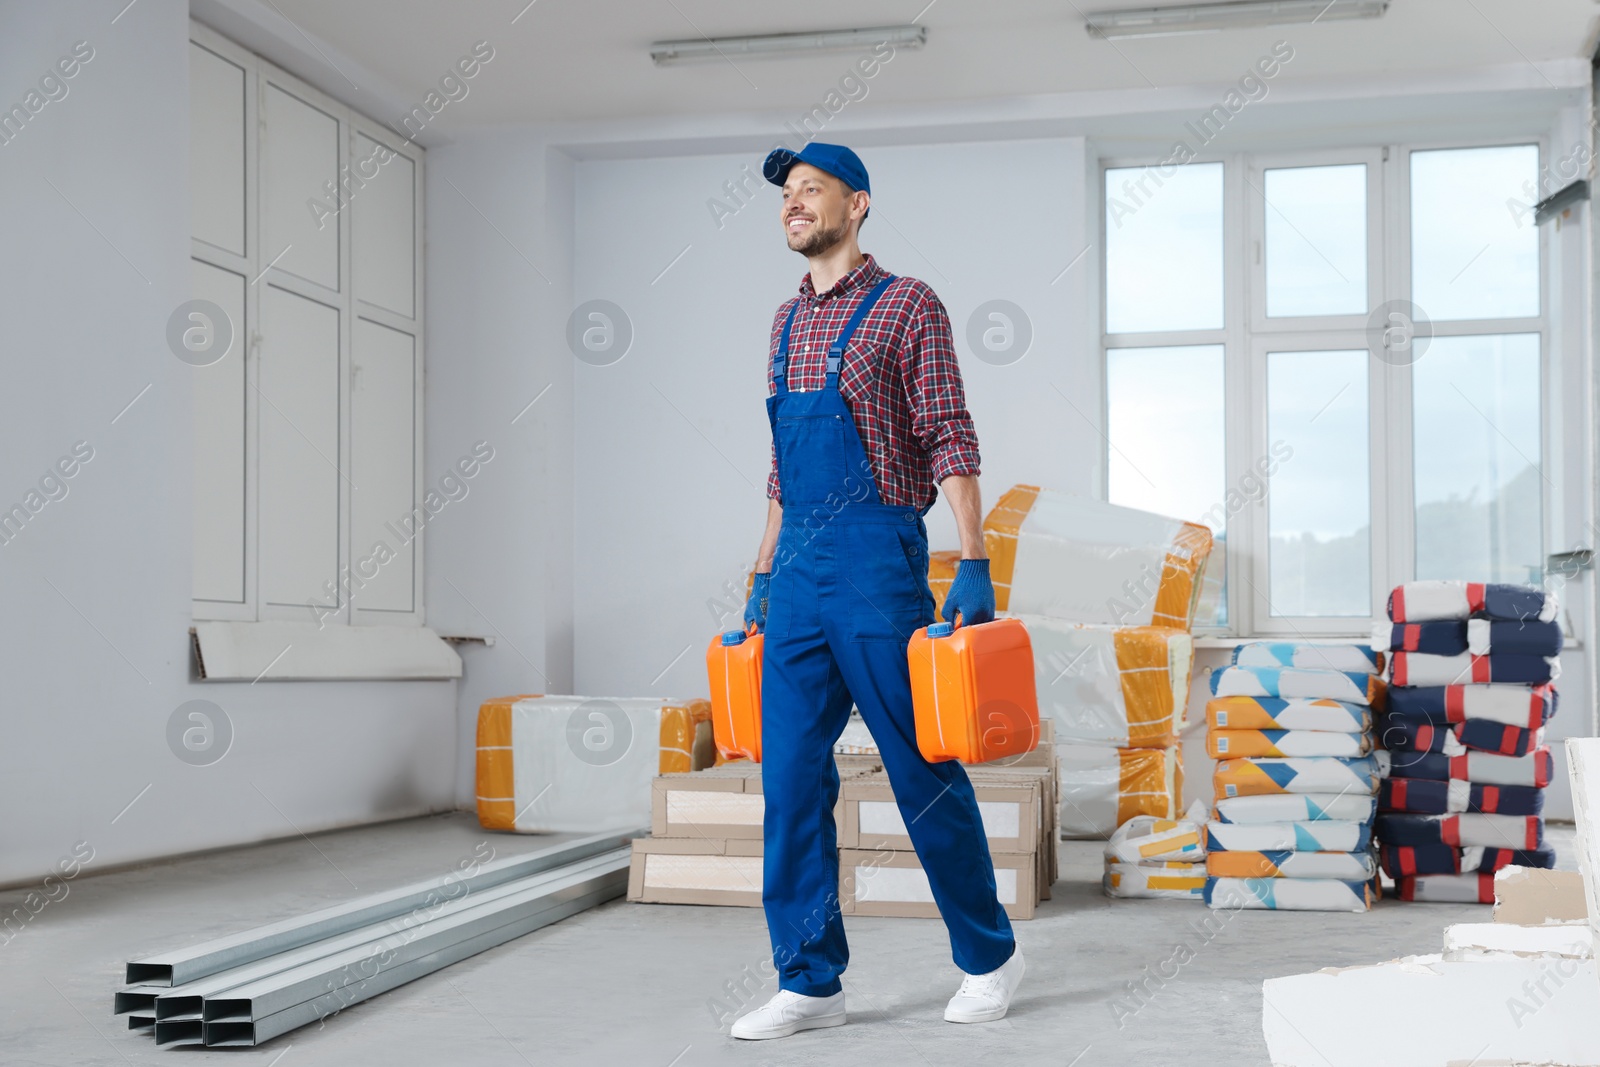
{"x":835,"y":159}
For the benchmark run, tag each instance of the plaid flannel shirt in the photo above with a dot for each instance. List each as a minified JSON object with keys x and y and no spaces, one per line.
{"x":899,"y":378}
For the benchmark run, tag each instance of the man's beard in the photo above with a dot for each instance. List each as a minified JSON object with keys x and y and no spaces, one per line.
{"x":819,"y":241}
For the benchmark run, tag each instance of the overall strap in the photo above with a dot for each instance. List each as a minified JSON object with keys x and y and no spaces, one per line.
{"x":780,"y":362}
{"x":836,"y":350}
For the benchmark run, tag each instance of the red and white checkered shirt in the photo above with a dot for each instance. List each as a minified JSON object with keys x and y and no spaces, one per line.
{"x":899,"y":378}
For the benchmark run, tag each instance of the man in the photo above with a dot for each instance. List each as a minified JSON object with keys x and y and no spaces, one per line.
{"x":867,"y":412}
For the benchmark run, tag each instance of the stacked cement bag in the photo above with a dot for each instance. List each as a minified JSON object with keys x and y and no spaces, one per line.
{"x":1471,"y":675}
{"x":1290,"y":726}
{"x":1162,"y":859}
{"x":1108,"y":595}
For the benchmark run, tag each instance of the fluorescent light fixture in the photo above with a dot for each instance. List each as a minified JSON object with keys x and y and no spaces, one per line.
{"x":1235,"y":15}
{"x":719,"y":49}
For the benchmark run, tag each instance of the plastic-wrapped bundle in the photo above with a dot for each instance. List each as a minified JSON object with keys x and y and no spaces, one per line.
{"x":1225,"y":744}
{"x":1289,"y":894}
{"x":1296,"y":807}
{"x":1434,"y":599}
{"x":1084,"y":560}
{"x":1284,"y":863}
{"x":1490,"y":831}
{"x":1250,"y":777}
{"x":1122,"y":686}
{"x":1446,"y":888}
{"x":1306,"y":654}
{"x":1327,"y":835}
{"x":1102,"y":788}
{"x":1483,"y":767}
{"x":1528,"y":707}
{"x":1426,"y":797}
{"x":1499,"y":668}
{"x":1278,"y":713}
{"x":1402,"y":860}
{"x":1480,"y":636}
{"x":1147,"y":839}
{"x":1416,"y":735}
{"x":533,"y":778}
{"x":1351,"y":686}
{"x":1163,"y":881}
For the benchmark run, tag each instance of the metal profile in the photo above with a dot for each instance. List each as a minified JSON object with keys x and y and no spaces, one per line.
{"x":256,"y":1012}
{"x":182,"y":1003}
{"x":186,"y":965}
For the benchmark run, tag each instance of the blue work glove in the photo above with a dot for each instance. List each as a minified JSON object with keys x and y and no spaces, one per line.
{"x":755,"y":608}
{"x":971,"y":593}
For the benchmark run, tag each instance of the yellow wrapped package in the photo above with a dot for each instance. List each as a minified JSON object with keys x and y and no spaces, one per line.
{"x":1102,"y":788}
{"x":942,"y":568}
{"x":582,"y":764}
{"x":1121,"y":686}
{"x":1071,"y":557}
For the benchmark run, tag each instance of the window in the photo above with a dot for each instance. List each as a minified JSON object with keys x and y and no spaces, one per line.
{"x":1336,"y":361}
{"x":306,"y":235}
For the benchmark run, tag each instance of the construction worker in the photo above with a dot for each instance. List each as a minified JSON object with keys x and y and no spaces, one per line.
{"x":868,"y":414}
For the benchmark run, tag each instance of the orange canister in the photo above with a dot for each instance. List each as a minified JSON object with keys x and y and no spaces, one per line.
{"x":733,"y":665}
{"x":972,"y":691}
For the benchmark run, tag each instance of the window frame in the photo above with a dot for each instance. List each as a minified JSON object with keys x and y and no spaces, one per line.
{"x":260,"y":271}
{"x":1247,"y":335}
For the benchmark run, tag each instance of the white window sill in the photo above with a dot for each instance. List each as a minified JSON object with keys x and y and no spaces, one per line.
{"x":301,"y":652}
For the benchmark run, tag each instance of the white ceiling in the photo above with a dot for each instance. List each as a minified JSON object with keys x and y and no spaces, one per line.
{"x":567,"y":60}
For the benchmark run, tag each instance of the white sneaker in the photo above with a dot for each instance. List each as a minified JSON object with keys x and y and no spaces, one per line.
{"x":788,"y":1013}
{"x":983,"y":998}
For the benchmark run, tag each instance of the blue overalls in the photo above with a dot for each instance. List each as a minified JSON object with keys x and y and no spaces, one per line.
{"x":849,"y":586}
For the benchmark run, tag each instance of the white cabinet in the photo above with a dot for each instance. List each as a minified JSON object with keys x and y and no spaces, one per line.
{"x":307,"y":230}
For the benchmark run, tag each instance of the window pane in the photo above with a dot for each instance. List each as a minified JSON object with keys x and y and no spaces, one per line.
{"x":1478,"y":479}
{"x":1316,"y":247}
{"x":1319,"y":515}
{"x":1165,"y":427}
{"x":1474,"y":254}
{"x":1164,"y":249}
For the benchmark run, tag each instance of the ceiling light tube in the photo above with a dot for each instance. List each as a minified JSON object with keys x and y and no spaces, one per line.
{"x":719,"y":49}
{"x":1238,"y":14}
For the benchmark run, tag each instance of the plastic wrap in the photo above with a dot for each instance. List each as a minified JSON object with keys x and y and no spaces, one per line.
{"x":1122,"y":686}
{"x":557,"y":764}
{"x":1084,"y":560}
{"x":1102,"y":788}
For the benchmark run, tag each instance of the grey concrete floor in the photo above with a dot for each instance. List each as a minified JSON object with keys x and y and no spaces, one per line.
{"x":634,"y":983}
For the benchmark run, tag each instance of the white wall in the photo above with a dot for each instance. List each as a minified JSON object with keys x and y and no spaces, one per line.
{"x":672,"y":442}
{"x":499,"y":285}
{"x":94,"y":643}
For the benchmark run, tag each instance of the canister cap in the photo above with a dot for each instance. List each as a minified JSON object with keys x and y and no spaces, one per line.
{"x":940,"y":629}
{"x":733,"y":637}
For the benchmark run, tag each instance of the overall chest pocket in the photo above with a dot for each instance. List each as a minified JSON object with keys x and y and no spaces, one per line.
{"x":811,"y":457}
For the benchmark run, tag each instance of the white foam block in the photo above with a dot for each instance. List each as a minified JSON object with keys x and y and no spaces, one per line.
{"x":1478,"y":941}
{"x":1412,"y":1012}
